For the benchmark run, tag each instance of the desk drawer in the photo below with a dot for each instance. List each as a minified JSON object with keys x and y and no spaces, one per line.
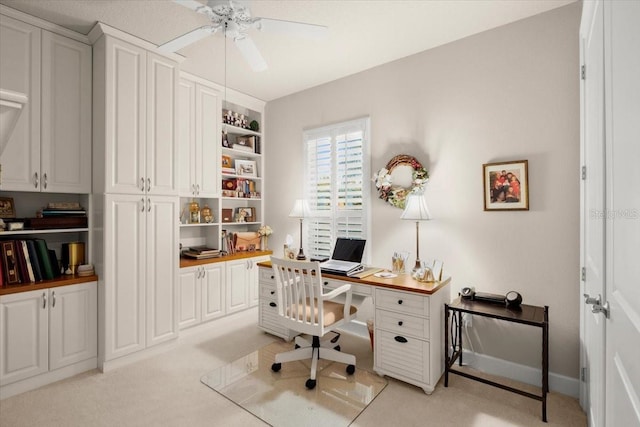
{"x":268,"y":292}
{"x":402,"y":301}
{"x":408,"y":359}
{"x":356,"y":289}
{"x":266,"y":274}
{"x":402,"y":323}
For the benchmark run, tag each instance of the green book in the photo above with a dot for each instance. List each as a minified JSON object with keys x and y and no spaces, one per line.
{"x":43,"y":257}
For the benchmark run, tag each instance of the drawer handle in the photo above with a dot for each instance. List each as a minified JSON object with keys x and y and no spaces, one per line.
{"x":326,"y":283}
{"x":273,"y":304}
{"x":400,"y":323}
{"x":272,"y":292}
{"x":273,"y":277}
{"x":400,"y":301}
{"x":400,"y":339}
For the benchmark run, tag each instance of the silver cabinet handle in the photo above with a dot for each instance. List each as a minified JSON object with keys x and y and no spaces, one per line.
{"x":53,"y":299}
{"x":193,"y":189}
{"x":142,"y":201}
{"x":45,"y":180}
{"x":149,"y":205}
{"x":197,"y":189}
{"x":142,"y":184}
{"x":44,"y":300}
{"x":36,"y":180}
{"x":148,"y":184}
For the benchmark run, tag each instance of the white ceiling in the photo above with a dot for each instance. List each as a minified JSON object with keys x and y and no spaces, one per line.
{"x":362,"y":34}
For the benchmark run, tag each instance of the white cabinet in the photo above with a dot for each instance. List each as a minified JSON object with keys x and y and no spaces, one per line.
{"x":50,"y":149}
{"x":237,"y":285}
{"x":199,"y":135}
{"x":140,"y":272}
{"x":135,"y":128}
{"x":201,"y":294}
{"x":47,"y":329}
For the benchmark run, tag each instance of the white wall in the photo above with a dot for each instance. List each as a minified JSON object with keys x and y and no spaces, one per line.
{"x":507,"y":94}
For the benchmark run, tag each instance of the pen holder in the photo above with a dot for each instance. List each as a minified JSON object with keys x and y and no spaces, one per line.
{"x":398,"y":262}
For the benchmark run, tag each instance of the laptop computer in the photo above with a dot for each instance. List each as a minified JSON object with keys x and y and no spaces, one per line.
{"x":346,"y":257}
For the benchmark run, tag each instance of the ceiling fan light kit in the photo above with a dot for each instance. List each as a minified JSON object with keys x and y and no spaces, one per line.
{"x":234,"y":19}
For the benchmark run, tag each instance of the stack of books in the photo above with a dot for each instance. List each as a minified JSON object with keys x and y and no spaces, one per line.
{"x":25,"y":261}
{"x":229,"y":171}
{"x":201,"y":252}
{"x":60,"y":215}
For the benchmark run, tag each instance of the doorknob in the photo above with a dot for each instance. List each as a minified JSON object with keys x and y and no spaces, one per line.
{"x":593,"y":301}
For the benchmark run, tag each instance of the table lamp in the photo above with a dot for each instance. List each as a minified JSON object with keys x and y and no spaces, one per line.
{"x":416,"y":209}
{"x":300,"y":210}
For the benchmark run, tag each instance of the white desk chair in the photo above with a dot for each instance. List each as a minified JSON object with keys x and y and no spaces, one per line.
{"x":304,"y":308}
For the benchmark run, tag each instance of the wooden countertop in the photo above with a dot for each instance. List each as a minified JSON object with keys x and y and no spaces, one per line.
{"x":46,"y":284}
{"x":191,"y":262}
{"x":402,"y":282}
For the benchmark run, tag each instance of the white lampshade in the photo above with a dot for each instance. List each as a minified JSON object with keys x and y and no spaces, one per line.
{"x":415,"y":208}
{"x":300,"y":209}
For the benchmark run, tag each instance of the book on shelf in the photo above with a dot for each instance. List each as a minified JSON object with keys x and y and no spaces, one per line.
{"x":239,"y":147}
{"x":63,"y":212}
{"x":35,"y":262}
{"x":10,"y":262}
{"x":229,"y":171}
{"x":203,"y":250}
{"x":197,"y":255}
{"x":64,"y":205}
{"x":25,"y":254}
{"x":43,"y":258}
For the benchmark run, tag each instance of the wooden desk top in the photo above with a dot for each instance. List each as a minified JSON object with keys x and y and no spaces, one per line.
{"x":526,"y":314}
{"x":402,"y":282}
{"x":46,"y":284}
{"x":191,"y":262}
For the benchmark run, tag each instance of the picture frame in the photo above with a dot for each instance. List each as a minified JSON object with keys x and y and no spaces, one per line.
{"x":225,"y":140}
{"x":246,"y":142}
{"x":246,"y":168}
{"x":227,"y":162}
{"x":7,"y":207}
{"x":506,"y":186}
{"x":227,"y":215}
{"x":246,"y":214}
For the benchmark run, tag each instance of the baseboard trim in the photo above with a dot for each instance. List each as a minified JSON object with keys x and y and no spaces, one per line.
{"x":523,"y":373}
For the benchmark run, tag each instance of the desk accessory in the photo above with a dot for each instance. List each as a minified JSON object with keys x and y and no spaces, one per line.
{"x":416,"y":209}
{"x":300,"y":210}
{"x":511,"y":299}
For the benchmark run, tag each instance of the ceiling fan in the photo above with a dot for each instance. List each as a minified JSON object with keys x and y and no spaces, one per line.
{"x":233,"y":19}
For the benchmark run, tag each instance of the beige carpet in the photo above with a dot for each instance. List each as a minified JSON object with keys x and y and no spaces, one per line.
{"x":281,"y":399}
{"x":165,"y":390}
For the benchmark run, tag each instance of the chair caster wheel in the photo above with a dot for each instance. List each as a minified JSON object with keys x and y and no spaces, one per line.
{"x":310,"y":384}
{"x":336,"y":348}
{"x":276,"y":367}
{"x":296,"y":346}
{"x":351,"y":369}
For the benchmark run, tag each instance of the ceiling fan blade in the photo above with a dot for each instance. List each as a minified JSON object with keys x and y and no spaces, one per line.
{"x":188,"y":38}
{"x":191,"y":4}
{"x":312,"y":31}
{"x":250,"y":53}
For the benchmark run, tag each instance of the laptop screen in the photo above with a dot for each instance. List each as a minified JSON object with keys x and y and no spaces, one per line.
{"x":348,"y":249}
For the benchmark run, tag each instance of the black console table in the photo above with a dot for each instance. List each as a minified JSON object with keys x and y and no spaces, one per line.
{"x":525,"y":314}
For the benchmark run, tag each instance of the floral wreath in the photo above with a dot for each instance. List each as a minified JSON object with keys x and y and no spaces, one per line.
{"x":395,"y":194}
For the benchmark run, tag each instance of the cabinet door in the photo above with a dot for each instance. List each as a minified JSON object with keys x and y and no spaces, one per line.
{"x":125,"y":117}
{"x":213,"y":291}
{"x":162,"y":150}
{"x":254,"y":280}
{"x":189,"y":294}
{"x":20,"y":72}
{"x":186,"y":137}
{"x":162,"y":263}
{"x":73,"y":324}
{"x":207,"y":159}
{"x":23,"y":335}
{"x":124,"y":274}
{"x":66,"y":115}
{"x":237,"y":285}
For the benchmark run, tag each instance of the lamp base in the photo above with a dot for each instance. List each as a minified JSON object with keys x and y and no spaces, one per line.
{"x":301,"y":256}
{"x":418,"y":266}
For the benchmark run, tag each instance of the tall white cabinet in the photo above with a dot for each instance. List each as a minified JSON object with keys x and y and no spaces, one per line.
{"x":50,"y":149}
{"x":135,"y":193}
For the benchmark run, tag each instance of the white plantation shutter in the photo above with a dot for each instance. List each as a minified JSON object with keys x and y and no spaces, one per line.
{"x":337,"y":183}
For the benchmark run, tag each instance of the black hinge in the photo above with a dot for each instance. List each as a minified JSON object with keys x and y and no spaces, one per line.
{"x":583,"y":274}
{"x":583,"y":72}
{"x":584,"y":173}
{"x":583,"y":374}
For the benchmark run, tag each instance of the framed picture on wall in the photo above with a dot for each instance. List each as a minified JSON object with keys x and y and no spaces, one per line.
{"x":506,"y":186}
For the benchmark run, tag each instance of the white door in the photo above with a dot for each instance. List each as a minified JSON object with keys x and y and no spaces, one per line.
{"x":186,"y":137}
{"x":124,"y":274}
{"x":20,"y":72}
{"x":162,"y":263}
{"x":73,"y":324}
{"x":189,"y":295}
{"x":161,"y":104}
{"x":622,"y":100}
{"x":24,"y":335}
{"x":125,"y":115}
{"x":207,"y":160}
{"x":593,"y":211}
{"x":237,"y":285}
{"x":66,"y":115}
{"x":213,"y":291}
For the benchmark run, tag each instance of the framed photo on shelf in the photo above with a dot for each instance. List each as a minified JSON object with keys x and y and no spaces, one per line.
{"x":227,"y":215}
{"x":7,"y":208}
{"x":226,"y":161}
{"x":246,"y":168}
{"x":506,"y":186}
{"x":246,"y":214}
{"x":247,"y":142}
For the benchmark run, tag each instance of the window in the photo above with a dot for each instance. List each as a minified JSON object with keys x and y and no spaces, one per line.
{"x":337,"y":185}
